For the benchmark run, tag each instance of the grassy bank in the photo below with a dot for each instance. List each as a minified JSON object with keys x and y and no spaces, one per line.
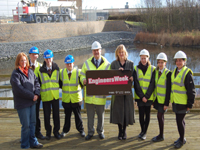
{"x":170,"y":39}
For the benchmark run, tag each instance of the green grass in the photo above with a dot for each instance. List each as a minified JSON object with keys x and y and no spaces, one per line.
{"x":135,"y":23}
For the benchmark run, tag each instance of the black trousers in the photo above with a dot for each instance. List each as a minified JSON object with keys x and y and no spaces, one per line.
{"x":54,"y":104}
{"x":38,"y":123}
{"x":76,"y":109}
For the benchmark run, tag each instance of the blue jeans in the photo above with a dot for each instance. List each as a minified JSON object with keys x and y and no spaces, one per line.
{"x":27,"y":118}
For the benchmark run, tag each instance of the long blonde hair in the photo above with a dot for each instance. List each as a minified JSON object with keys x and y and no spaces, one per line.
{"x":19,"y":56}
{"x":120,"y":47}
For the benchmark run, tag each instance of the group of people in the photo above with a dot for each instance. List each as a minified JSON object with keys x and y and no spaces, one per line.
{"x":33,"y":82}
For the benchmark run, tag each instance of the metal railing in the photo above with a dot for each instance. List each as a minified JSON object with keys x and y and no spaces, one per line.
{"x":108,"y":98}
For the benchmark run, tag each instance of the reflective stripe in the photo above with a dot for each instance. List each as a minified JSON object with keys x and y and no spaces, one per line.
{"x":86,"y":63}
{"x":179,"y":84}
{"x":76,"y":84}
{"x":166,"y":72}
{"x":159,"y":94}
{"x":89,"y":95}
{"x":100,"y":96}
{"x":145,"y":88}
{"x":137,"y":73}
{"x":162,"y":86}
{"x":148,"y":80}
{"x":183,"y":75}
{"x":48,"y":89}
{"x":71,"y":92}
{"x":63,"y":75}
{"x":97,"y":96}
{"x":180,"y":92}
{"x":82,"y":73}
{"x":47,"y":81}
{"x":107,"y":66}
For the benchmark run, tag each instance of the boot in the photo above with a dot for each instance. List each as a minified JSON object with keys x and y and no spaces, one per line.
{"x":124,"y":133}
{"x":120,"y":132}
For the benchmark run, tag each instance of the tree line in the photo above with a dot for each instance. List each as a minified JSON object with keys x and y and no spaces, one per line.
{"x":170,"y":15}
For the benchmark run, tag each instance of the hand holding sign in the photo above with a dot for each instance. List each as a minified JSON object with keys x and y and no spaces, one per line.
{"x":108,"y":82}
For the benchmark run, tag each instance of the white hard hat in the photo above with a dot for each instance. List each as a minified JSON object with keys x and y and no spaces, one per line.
{"x":162,"y":56}
{"x":180,"y":54}
{"x":144,"y":52}
{"x":96,"y":45}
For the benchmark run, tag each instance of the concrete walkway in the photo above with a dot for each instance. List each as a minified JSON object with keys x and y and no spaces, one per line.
{"x":10,"y":129}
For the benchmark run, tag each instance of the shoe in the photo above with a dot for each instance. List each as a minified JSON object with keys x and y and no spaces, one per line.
{"x":48,"y":137}
{"x":101,"y":136}
{"x":140,"y":135}
{"x":88,"y":137}
{"x":57,"y":135}
{"x":184,"y":141}
{"x":143,"y":136}
{"x":40,"y":136}
{"x":178,"y":144}
{"x":63,"y":134}
{"x":124,"y":136}
{"x":82,"y":134}
{"x":38,"y":146}
{"x":120,"y":136}
{"x":157,"y":139}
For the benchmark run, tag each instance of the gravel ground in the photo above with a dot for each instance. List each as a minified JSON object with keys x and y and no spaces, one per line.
{"x":10,"y":50}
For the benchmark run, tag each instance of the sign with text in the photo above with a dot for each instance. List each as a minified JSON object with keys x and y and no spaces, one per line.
{"x":108,"y":82}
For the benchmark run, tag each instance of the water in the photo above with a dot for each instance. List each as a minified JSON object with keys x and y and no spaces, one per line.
{"x":80,"y":56}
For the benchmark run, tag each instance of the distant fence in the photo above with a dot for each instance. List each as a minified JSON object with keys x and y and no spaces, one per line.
{"x":108,"y":98}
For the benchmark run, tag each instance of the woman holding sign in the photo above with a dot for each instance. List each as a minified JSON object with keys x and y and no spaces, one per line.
{"x":144,"y":85}
{"x":162,"y":92}
{"x":122,"y":106}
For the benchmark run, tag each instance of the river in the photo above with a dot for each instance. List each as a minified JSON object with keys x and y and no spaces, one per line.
{"x":80,"y":56}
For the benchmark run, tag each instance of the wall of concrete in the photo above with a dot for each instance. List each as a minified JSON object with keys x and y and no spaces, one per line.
{"x":34,"y":32}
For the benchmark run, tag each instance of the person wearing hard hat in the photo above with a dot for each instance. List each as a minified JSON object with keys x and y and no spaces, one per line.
{"x":71,"y":95}
{"x":122,"y":110}
{"x":34,"y":64}
{"x":182,"y":94}
{"x":162,"y":92}
{"x":94,"y":102}
{"x":49,"y":78}
{"x":144,"y":85}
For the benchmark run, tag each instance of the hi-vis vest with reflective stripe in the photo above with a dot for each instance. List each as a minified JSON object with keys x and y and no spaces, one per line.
{"x":71,"y":89}
{"x":178,"y":93}
{"x":144,"y":80}
{"x":161,"y":84}
{"x":49,"y":89}
{"x":88,"y":65}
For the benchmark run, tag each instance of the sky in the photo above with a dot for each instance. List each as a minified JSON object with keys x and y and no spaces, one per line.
{"x":103,"y":4}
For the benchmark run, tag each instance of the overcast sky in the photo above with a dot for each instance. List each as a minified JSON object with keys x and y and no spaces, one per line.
{"x":102,"y":4}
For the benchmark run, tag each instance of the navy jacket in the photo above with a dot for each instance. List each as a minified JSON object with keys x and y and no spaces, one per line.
{"x":24,"y":88}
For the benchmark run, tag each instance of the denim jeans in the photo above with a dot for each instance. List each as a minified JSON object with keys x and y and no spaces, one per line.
{"x":27,"y":118}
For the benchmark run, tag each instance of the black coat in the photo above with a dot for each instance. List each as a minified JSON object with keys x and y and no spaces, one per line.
{"x":24,"y":88}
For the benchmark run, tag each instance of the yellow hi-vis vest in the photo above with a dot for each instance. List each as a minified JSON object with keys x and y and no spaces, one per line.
{"x":161,"y":85}
{"x":144,"y":80}
{"x":49,"y":89}
{"x":71,"y":89}
{"x":88,"y":65}
{"x":178,"y":93}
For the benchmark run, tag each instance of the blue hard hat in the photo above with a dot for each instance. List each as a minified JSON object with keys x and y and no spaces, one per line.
{"x":48,"y":54}
{"x":34,"y":50}
{"x":69,"y":59}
